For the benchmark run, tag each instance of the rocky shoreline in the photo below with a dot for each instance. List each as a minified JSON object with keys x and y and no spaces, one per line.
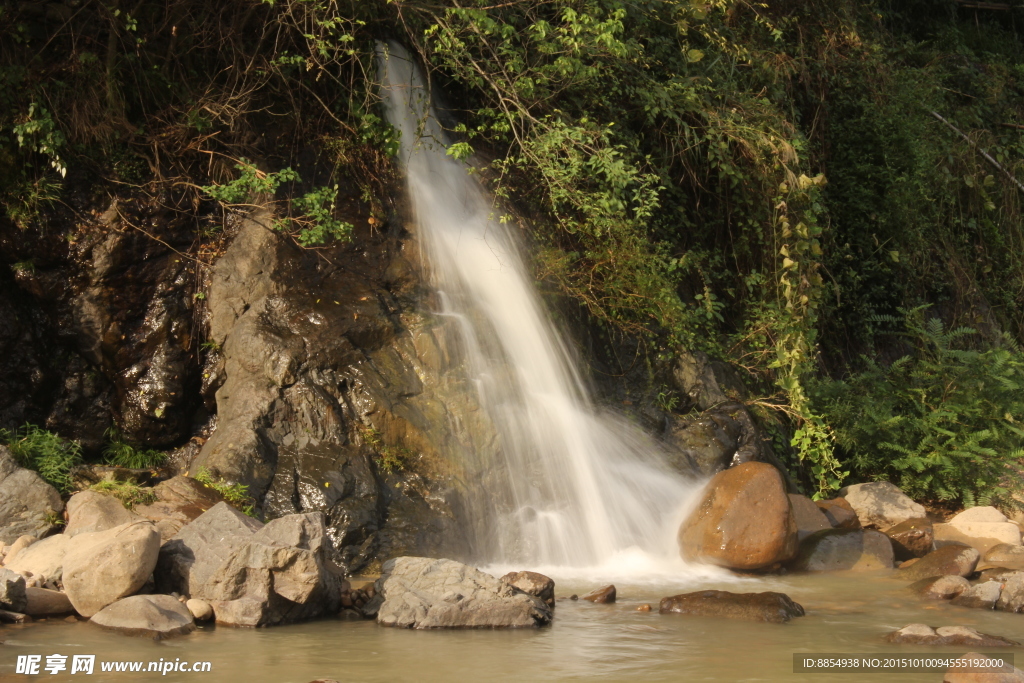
{"x":189,"y":557}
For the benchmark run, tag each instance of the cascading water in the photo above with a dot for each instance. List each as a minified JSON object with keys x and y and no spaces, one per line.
{"x":576,"y":487}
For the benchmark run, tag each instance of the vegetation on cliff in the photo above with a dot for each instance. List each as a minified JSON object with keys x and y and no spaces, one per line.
{"x":772,"y":183}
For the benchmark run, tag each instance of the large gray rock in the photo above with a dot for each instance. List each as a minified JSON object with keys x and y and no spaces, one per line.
{"x":104,"y":566}
{"x":251,"y":574}
{"x":43,"y":602}
{"x":179,"y":500}
{"x":189,"y":560}
{"x":952,"y":559}
{"x":28,"y":505}
{"x":90,"y":511}
{"x":44,"y":559}
{"x":146,"y":615}
{"x":423,"y":593}
{"x":844,"y":549}
{"x":775,"y":608}
{"x":881,"y":504}
{"x":12,"y":591}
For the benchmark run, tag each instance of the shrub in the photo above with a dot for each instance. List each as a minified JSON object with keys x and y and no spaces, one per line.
{"x":129,"y":493}
{"x":236,"y":495}
{"x":45,"y":452}
{"x":120,"y":453}
{"x":388,"y":458}
{"x":945,"y":422}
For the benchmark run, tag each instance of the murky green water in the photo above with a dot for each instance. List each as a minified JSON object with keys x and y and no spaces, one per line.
{"x":845,"y":613}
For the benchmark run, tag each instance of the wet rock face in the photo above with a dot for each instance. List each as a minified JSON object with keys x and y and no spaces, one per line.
{"x":775,"y":608}
{"x":912,"y":538}
{"x":111,"y":315}
{"x":744,"y":520}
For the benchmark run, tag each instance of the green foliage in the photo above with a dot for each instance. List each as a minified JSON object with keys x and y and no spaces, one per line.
{"x":315,"y":221}
{"x":48,"y":454}
{"x":389,"y":459}
{"x":945,"y":422}
{"x":129,"y":493}
{"x":236,"y":495}
{"x":120,"y":453}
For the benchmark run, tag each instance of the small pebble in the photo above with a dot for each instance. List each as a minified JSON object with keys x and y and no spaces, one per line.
{"x":644,"y":608}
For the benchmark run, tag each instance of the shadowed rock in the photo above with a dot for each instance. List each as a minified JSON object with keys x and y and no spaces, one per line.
{"x":534,"y":584}
{"x":43,"y":602}
{"x":838,"y":549}
{"x":952,"y":559}
{"x":601,"y":596}
{"x":808,"y":516}
{"x":940,"y":587}
{"x":12,"y":591}
{"x":912,"y":538}
{"x":839,"y":513}
{"x":775,"y":608}
{"x":28,"y":504}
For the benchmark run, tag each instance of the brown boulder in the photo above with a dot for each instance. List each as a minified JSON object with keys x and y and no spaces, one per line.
{"x":912,"y":538}
{"x":744,"y":520}
{"x":951,"y":559}
{"x":601,"y":596}
{"x":839,"y":513}
{"x":808,"y":517}
{"x":775,"y":608}
{"x":940,"y":587}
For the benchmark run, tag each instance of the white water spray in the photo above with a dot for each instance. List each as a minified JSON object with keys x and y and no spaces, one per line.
{"x":576,"y":488}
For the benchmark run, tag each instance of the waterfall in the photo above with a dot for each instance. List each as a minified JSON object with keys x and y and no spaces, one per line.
{"x":576,"y":486}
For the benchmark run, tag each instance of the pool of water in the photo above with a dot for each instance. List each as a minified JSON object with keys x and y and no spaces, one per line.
{"x":846,"y":613}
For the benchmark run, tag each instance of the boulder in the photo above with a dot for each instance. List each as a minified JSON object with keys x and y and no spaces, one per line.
{"x":423,"y":593}
{"x":200,"y":609}
{"x":191,"y":557}
{"x":1011,"y":599}
{"x":601,"y":596}
{"x":179,"y":500}
{"x":743,"y":521}
{"x":90,"y":511}
{"x":980,"y":527}
{"x":947,"y":534}
{"x":44,"y":559}
{"x":952,"y":559}
{"x":43,"y":602}
{"x":940,"y":587}
{"x":12,"y":591}
{"x":146,"y":615}
{"x":1004,"y":556}
{"x":981,"y":595}
{"x":912,"y":538}
{"x":104,"y":566}
{"x":837,"y":549}
{"x":534,"y":584}
{"x":839,"y":513}
{"x":253,"y":574}
{"x":922,"y":634}
{"x":775,"y":608}
{"x":808,"y":516}
{"x":962,"y":673}
{"x":881,"y":504}
{"x":12,"y":550}
{"x":28,"y":505}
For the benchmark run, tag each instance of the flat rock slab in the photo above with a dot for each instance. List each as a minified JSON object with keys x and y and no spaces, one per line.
{"x":959,"y":560}
{"x":775,"y":608}
{"x":146,"y":615}
{"x":426,"y":593}
{"x":922,"y":634}
{"x":881,"y":504}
